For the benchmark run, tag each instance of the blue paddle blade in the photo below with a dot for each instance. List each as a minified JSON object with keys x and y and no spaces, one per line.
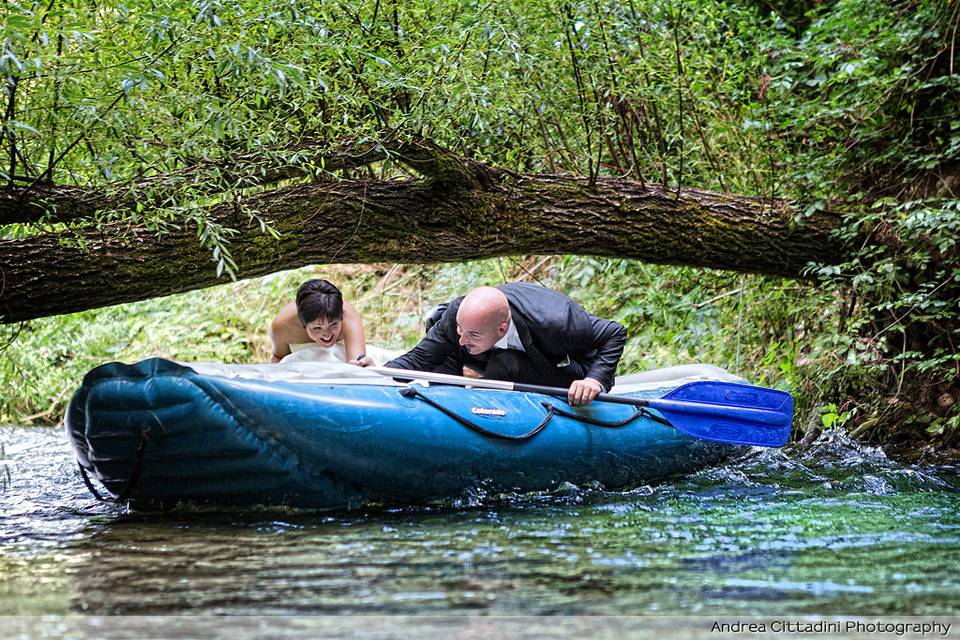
{"x":729,"y":412}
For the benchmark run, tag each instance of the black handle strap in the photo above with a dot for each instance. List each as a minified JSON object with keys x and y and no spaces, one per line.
{"x":552,"y":410}
{"x":410,"y":392}
{"x":131,"y":481}
{"x":599,"y":423}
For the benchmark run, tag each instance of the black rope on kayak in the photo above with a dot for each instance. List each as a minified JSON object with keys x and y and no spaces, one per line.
{"x":131,"y":481}
{"x":552,"y":410}
{"x":410,"y":392}
{"x":90,"y":487}
{"x":599,"y":423}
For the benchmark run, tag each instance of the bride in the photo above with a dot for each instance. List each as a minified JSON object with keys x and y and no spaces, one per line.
{"x":321,"y":326}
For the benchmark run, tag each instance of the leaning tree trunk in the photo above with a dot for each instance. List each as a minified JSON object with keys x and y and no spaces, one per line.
{"x":479,"y":213}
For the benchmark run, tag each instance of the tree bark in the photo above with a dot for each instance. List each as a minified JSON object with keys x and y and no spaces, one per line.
{"x":461,"y":212}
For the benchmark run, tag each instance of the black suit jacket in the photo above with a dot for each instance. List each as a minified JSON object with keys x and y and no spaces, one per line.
{"x":557,"y":334}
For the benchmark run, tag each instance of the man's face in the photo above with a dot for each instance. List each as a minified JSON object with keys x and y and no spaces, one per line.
{"x":477,"y":336}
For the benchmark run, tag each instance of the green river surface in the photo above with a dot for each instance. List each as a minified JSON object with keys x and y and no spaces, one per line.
{"x":832,"y":530}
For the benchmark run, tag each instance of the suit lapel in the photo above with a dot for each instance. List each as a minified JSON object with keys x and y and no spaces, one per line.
{"x":531,"y":350}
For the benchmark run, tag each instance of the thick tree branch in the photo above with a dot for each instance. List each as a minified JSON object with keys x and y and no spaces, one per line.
{"x":416,"y":221}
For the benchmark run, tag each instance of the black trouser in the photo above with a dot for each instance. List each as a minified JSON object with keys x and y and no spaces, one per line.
{"x":511,"y":365}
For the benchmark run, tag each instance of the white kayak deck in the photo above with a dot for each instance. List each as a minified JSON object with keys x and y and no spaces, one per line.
{"x":342,"y":373}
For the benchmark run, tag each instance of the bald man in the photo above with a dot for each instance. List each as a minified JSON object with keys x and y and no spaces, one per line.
{"x":522,"y":333}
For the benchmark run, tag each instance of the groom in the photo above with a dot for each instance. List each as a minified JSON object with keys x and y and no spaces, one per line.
{"x":522,"y":333}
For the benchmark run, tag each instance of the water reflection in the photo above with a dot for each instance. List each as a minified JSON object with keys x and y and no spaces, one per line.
{"x":834,"y":529}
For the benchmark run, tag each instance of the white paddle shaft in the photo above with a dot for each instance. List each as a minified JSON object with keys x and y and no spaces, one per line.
{"x":446,"y":378}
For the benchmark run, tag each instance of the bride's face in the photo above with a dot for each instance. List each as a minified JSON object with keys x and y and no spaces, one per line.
{"x":324,"y":331}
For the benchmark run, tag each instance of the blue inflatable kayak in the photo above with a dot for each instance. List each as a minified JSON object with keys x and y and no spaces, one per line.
{"x":157,"y":433}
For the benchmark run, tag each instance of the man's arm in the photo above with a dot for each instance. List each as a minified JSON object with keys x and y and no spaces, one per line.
{"x":609,"y":338}
{"x":596,"y":343}
{"x":439,"y":343}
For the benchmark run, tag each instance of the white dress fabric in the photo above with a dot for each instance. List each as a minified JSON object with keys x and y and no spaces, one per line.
{"x":327,"y":369}
{"x":312,"y":352}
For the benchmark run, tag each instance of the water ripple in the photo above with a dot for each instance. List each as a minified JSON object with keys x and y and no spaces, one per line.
{"x":834,"y":528}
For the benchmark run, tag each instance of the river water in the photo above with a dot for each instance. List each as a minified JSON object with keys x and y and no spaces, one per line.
{"x":831,"y":530}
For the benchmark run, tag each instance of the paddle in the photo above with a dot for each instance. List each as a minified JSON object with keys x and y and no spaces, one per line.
{"x":710,"y":410}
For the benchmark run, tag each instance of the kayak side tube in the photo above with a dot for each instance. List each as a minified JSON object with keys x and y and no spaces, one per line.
{"x":237,"y":441}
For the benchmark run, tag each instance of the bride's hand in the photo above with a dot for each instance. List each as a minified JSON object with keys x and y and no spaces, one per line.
{"x":363,"y":360}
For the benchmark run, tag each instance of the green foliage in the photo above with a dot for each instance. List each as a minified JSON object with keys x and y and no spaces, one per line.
{"x":142,"y":87}
{"x":867,"y":102}
{"x":850,"y":108}
{"x":832,"y":417}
